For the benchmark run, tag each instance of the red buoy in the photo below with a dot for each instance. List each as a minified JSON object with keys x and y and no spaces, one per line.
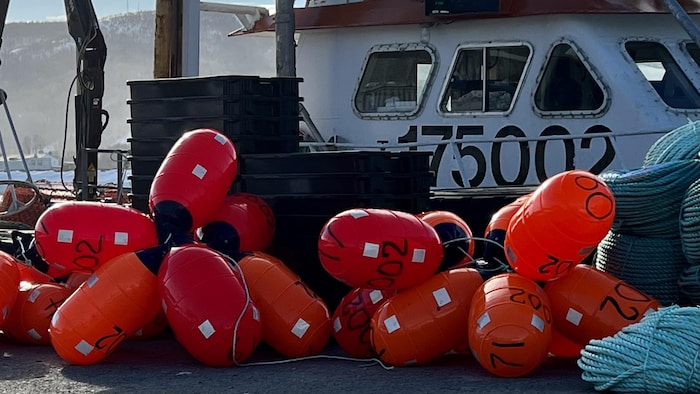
{"x":244,"y":222}
{"x":203,"y":300}
{"x":496,"y":231}
{"x":82,"y":235}
{"x":426,"y":321}
{"x":192,"y":182}
{"x":455,"y":235}
{"x":31,"y":314}
{"x":559,"y":225}
{"x":352,"y":318}
{"x":379,"y":249}
{"x":30,"y":274}
{"x":510,"y":325}
{"x":297,"y":321}
{"x":591,"y":304}
{"x":120,"y":297}
{"x":9,"y":285}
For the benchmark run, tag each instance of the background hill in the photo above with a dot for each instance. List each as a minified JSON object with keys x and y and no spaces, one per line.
{"x":39,"y":63}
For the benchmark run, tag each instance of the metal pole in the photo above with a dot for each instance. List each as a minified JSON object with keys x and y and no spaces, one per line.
{"x":190,"y":38}
{"x":684,"y":20}
{"x":284,"y":38}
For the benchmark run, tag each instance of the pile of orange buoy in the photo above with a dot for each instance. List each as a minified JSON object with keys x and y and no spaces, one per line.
{"x":197,"y":264}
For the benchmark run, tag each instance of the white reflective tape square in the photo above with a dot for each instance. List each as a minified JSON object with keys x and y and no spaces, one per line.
{"x":220,"y":139}
{"x":483,"y":320}
{"x":442,"y":297}
{"x":206,"y":329}
{"x":121,"y":238}
{"x":256,"y":313}
{"x":34,"y":334}
{"x":90,"y":282}
{"x":391,"y":323}
{"x":34,"y":295}
{"x":376,"y":296}
{"x":358,"y":213}
{"x":537,"y":322}
{"x":573,"y":316}
{"x":337,"y":325}
{"x":371,"y":250}
{"x":83,"y":347}
{"x":418,"y":256}
{"x":300,"y":328}
{"x":65,"y":236}
{"x":199,"y":171}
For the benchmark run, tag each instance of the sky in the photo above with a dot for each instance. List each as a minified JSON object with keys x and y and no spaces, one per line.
{"x":54,"y":10}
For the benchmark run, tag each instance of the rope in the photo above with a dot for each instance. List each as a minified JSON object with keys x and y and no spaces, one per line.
{"x":689,"y":283}
{"x":682,"y":143}
{"x":648,"y":200}
{"x":652,"y":265}
{"x":660,"y":354}
{"x":689,"y":220}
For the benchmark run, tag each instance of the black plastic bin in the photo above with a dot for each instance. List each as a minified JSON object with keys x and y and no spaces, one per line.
{"x":223,"y":85}
{"x":225,"y":106}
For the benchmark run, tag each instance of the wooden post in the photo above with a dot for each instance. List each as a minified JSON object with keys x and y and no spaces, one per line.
{"x":284,"y":38}
{"x":167,"y":56}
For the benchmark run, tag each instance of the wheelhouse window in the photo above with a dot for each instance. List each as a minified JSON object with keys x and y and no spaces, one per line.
{"x":394,"y":81}
{"x":566,"y":84}
{"x":494,"y":70}
{"x":664,"y":74}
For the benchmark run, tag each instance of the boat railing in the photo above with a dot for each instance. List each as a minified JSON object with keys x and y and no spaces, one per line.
{"x":455,"y":144}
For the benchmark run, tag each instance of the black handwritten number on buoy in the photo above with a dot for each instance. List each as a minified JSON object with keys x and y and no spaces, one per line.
{"x":521,"y":296}
{"x":628,"y":293}
{"x":53,"y":307}
{"x":392,"y":267}
{"x":111,"y":341}
{"x":560,"y":266}
{"x":590,"y":184}
{"x":493,"y":357}
{"x":88,"y":254}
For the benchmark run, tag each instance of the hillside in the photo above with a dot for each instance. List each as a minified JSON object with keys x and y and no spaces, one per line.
{"x":39,"y":63}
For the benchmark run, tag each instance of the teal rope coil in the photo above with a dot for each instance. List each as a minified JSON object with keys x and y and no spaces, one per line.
{"x":682,"y":143}
{"x":659,"y":354}
{"x":648,"y":200}
{"x":689,"y":283}
{"x":689,"y":221}
{"x":651,"y":265}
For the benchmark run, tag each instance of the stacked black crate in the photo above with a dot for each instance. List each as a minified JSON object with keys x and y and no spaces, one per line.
{"x":259,"y":115}
{"x":305,"y":190}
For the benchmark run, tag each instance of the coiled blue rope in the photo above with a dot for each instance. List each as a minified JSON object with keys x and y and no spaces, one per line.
{"x":689,"y":221}
{"x":660,"y":354}
{"x":651,"y":265}
{"x":648,"y":200}
{"x":682,"y":143}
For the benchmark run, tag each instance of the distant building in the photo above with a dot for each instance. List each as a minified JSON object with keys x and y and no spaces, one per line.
{"x":37,"y":162}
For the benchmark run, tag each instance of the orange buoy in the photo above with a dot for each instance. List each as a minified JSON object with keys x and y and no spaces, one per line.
{"x":120,"y":297}
{"x":30,"y":274}
{"x":455,"y":235}
{"x":192,"y":182}
{"x":426,"y":321}
{"x":154,"y":328}
{"x":31,"y":314}
{"x":496,"y":231}
{"x":510,"y":325}
{"x":559,"y":225}
{"x":563,"y":347}
{"x":591,"y":304}
{"x":9,"y":285}
{"x":244,"y":222}
{"x":203,"y":300}
{"x":352,"y":318}
{"x":75,"y":279}
{"x":379,"y":249}
{"x":82,"y":235}
{"x":297,"y":321}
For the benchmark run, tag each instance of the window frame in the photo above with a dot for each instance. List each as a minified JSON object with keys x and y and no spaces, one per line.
{"x":483,"y":46}
{"x":420,"y":101}
{"x":597,"y":78}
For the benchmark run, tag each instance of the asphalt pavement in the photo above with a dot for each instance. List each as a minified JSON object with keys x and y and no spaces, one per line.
{"x":163,"y":366}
